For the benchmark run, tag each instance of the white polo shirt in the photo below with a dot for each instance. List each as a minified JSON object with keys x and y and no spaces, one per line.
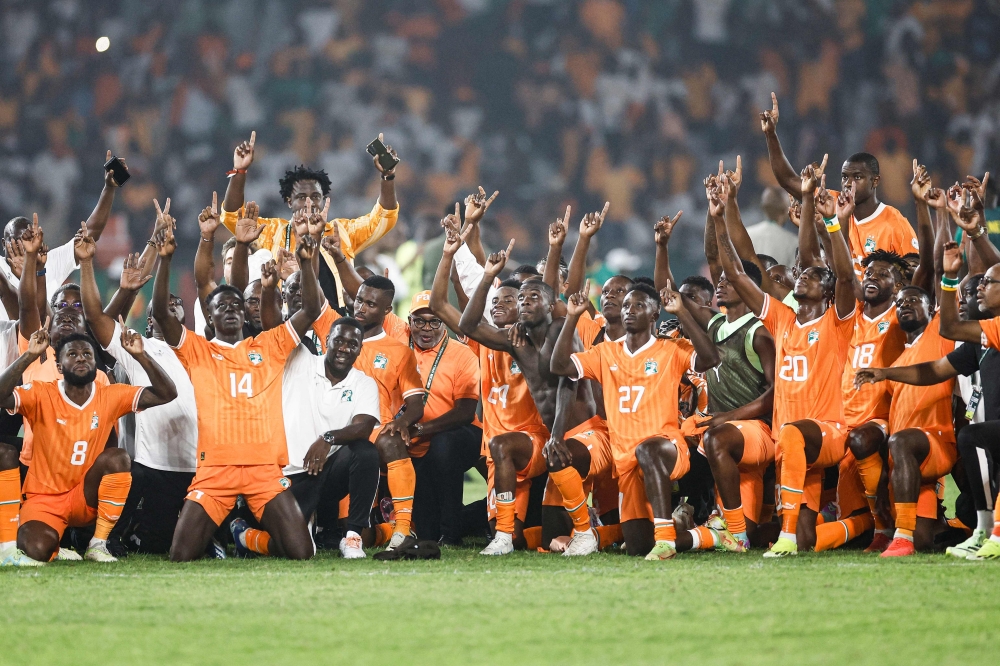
{"x":311,"y":405}
{"x":59,"y":266}
{"x":166,"y":437}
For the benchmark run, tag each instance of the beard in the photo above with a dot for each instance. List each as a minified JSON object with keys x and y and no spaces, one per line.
{"x":80,"y":380}
{"x":911,"y":325}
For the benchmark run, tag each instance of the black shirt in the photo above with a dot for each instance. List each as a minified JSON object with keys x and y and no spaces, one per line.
{"x":970,"y":358}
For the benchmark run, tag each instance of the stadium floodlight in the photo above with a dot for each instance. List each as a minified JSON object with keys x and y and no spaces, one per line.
{"x":103,"y":44}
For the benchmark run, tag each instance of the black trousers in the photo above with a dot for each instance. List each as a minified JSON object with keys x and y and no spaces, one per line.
{"x":354,"y":470}
{"x":437,"y":499}
{"x":150,"y":513}
{"x":979,"y":449}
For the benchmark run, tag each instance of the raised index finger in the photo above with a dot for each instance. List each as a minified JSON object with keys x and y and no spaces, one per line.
{"x":510,"y":247}
{"x":159,"y":213}
{"x":253,"y":137}
{"x":215,"y":203}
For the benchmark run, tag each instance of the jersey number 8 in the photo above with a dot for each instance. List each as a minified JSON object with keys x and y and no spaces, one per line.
{"x":79,"y":453}
{"x":794,"y":369}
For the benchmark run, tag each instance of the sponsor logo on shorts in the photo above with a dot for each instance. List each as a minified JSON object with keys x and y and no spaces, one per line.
{"x":652,"y":367}
{"x":347,"y":395}
{"x":813,"y":336}
{"x":201,"y":456}
{"x":284,"y":482}
{"x":514,"y":370}
{"x":883,"y":326}
{"x":380,"y":361}
{"x":255,"y":358}
{"x":94,"y":422}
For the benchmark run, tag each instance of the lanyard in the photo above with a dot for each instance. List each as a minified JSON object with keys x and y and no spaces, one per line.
{"x":288,"y":235}
{"x":430,"y":375}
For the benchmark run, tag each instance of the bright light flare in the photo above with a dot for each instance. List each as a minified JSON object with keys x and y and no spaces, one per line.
{"x":103,"y":44}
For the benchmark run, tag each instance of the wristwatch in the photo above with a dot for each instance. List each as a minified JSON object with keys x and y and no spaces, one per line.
{"x":328,"y":437}
{"x":418,"y":429}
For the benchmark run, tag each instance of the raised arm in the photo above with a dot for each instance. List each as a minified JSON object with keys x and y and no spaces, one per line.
{"x":270,"y":296}
{"x":204,"y":258}
{"x":476,"y":206}
{"x":707,"y":353}
{"x":349,"y":277}
{"x":161,"y":389}
{"x":28,"y":314}
{"x":731,"y":262}
{"x":387,"y":190}
{"x":11,"y":376}
{"x":102,"y":326}
{"x":970,"y":218}
{"x":921,"y":374}
{"x":847,"y":287}
{"x":247,"y":231}
{"x":809,"y":245}
{"x":557,"y":237}
{"x":589,"y":226}
{"x":471,"y":323}
{"x":171,"y":328}
{"x":302,"y":320}
{"x":782,"y":169}
{"x":662,"y":230}
{"x":923,"y":276}
{"x":711,"y":250}
{"x":102,"y":211}
{"x":440,"y":306}
{"x":951,"y":326}
{"x":242,"y":159}
{"x":561,"y":364}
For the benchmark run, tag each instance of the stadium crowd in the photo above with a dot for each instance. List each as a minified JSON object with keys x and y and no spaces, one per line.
{"x":780,"y":407}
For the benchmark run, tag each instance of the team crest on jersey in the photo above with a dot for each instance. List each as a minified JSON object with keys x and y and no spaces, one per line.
{"x":94,"y":422}
{"x":347,"y":395}
{"x":883,"y":326}
{"x":813,"y":337}
{"x":255,"y":358}
{"x":870,"y":245}
{"x":380,"y":361}
{"x":283,"y":482}
{"x":514,"y":370}
{"x":652,"y":367}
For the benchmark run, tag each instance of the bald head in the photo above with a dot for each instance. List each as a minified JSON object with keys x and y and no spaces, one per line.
{"x":774,"y":203}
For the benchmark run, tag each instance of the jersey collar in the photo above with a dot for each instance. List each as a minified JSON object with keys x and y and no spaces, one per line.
{"x":69,"y":402}
{"x":878,"y":211}
{"x":376,"y":337}
{"x":652,"y":339}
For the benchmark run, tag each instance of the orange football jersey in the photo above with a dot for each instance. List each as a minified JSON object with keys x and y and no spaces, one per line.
{"x":321,"y":327}
{"x":392,"y":365}
{"x":42,"y":372}
{"x":588,"y":329}
{"x":507,"y":402}
{"x":397,"y":328}
{"x":991,"y":332}
{"x":924,"y":407}
{"x":69,"y":437}
{"x":876,"y":343}
{"x":640,"y":390}
{"x":809,"y":363}
{"x":885,"y":229}
{"x":237,"y":389}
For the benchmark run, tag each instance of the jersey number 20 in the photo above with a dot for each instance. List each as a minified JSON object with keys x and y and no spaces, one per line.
{"x":244,"y":385}
{"x":794,"y":369}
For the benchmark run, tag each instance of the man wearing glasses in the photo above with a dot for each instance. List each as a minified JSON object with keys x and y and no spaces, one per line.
{"x":445,"y":442}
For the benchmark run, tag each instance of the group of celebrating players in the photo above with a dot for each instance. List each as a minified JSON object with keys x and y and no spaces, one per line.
{"x":812,"y":405}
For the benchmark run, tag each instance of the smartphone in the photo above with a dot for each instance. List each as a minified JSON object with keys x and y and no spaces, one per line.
{"x":377,"y":149}
{"x":118,"y":171}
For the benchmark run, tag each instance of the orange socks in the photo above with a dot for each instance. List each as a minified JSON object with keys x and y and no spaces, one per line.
{"x":383,"y":533}
{"x":906,"y":519}
{"x":663,"y":530}
{"x":533,"y":538}
{"x":793,"y":478}
{"x":735,"y":521}
{"x":836,"y":534}
{"x":111,"y":496}
{"x":703,"y":538}
{"x":505,"y":512}
{"x":870,"y":469}
{"x":10,"y":504}
{"x":608,"y":535}
{"x":574,"y":499}
{"x":402,"y":480}
{"x":258,"y":541}
{"x":996,"y":519}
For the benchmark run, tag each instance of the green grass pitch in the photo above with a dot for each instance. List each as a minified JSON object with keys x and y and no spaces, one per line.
{"x":829,"y":608}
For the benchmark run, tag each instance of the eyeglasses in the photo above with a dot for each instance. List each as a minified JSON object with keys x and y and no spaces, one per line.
{"x":987,"y":281}
{"x":425,"y":324}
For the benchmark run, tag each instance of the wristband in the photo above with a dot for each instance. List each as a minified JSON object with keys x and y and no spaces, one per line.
{"x":40,"y":273}
{"x":233,"y":172}
{"x":981,"y":230}
{"x":832,"y":225}
{"x":949,"y":284}
{"x":389,"y":177}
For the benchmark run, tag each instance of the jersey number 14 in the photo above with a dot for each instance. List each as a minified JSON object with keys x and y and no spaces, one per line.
{"x":243,"y":386}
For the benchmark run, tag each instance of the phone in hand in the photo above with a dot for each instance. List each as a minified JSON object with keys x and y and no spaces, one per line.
{"x":385,"y":159}
{"x":118,"y":171}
